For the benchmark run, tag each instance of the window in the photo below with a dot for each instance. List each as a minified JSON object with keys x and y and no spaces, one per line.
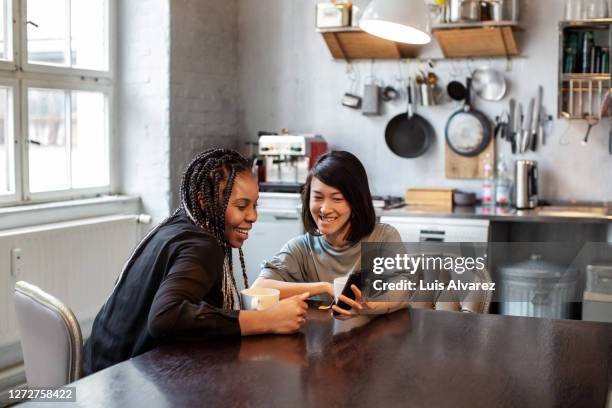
{"x":7,"y":153}
{"x":68,"y":33}
{"x":55,"y":103}
{"x":6,"y":34}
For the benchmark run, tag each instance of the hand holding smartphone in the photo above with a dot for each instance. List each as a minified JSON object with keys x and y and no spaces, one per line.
{"x":353,"y":279}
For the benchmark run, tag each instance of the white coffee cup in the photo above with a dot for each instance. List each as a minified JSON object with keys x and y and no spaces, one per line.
{"x":339,"y":284}
{"x":259,"y":298}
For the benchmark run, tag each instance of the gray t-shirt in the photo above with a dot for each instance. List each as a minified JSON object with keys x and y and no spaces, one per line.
{"x":309,"y":258}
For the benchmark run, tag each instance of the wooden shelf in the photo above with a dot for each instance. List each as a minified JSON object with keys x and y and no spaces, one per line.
{"x":586,"y":77}
{"x":594,"y":23}
{"x":463,"y":40}
{"x":351,"y":44}
{"x":475,"y":24}
{"x":484,"y":41}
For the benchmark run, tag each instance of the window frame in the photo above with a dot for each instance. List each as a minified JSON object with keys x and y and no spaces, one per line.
{"x":22,"y":76}
{"x":12,"y":64}
{"x":52,"y":69}
{"x":16,"y":129}
{"x":71,"y":193}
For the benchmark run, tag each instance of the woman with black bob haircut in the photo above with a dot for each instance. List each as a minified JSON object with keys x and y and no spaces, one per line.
{"x":178,"y":283}
{"x":338,"y":216}
{"x":344,"y":172}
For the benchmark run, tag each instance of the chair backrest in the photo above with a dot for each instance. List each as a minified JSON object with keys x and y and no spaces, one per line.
{"x":51,"y":337}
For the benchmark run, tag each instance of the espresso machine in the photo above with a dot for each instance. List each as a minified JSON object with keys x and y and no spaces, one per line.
{"x":287,"y":160}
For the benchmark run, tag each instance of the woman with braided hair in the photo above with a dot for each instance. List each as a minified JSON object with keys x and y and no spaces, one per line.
{"x":178,"y":282}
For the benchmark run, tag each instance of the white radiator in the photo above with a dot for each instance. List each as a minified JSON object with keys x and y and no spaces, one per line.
{"x":76,"y":261}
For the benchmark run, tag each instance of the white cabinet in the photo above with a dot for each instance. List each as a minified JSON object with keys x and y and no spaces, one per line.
{"x":424,"y":229}
{"x":271,"y":231}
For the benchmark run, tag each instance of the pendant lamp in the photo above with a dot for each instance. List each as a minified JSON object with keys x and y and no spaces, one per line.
{"x":405,"y":21}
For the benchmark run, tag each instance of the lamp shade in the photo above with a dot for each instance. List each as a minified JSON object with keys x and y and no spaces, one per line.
{"x":405,"y":21}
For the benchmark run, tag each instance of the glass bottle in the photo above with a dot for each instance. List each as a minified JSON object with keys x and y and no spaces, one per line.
{"x":488,"y":185}
{"x":503,"y":184}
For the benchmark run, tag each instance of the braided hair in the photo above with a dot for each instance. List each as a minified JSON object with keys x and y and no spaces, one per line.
{"x":203,"y":179}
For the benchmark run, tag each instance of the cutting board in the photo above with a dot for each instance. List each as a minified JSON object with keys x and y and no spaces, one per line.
{"x":438,"y":197}
{"x":461,"y":167}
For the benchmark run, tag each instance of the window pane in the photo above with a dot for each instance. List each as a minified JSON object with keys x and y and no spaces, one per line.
{"x":89,"y":140}
{"x":70,"y":33}
{"x":48,"y":32}
{"x":7,"y":151}
{"x":89,"y":34}
{"x":6,"y":31}
{"x":48,"y":158}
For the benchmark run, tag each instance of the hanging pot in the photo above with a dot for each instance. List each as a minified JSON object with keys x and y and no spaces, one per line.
{"x":468,"y":131}
{"x":409,"y":135}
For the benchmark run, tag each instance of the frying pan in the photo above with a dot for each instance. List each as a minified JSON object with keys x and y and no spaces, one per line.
{"x":408,"y":134}
{"x":468,"y":131}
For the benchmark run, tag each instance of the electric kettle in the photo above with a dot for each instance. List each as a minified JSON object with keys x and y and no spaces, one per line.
{"x":526,"y":184}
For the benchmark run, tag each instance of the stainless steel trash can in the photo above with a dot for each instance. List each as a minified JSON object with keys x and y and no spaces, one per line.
{"x":538,"y":288}
{"x":597,"y":303}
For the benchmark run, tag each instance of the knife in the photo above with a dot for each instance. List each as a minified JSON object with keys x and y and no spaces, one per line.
{"x":516,"y":131}
{"x":535,"y":123}
{"x":526,"y":140}
{"x":511,"y":119}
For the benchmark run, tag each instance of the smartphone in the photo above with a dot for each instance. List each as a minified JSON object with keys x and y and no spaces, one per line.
{"x":353,"y":279}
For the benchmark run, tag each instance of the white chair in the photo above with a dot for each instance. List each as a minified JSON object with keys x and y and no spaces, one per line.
{"x":51,"y":337}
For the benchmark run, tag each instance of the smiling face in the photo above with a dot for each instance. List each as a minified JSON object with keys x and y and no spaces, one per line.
{"x":331,"y":212}
{"x":241,"y":210}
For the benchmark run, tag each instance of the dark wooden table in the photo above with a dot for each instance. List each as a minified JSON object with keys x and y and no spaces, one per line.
{"x":411,"y":358}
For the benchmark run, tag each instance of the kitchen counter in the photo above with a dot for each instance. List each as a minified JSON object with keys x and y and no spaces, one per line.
{"x":551,"y":214}
{"x":582,"y":213}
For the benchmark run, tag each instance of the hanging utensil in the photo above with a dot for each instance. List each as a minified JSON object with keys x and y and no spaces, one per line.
{"x":456,"y":90}
{"x":408,"y":134}
{"x":526,"y":137}
{"x":591,"y":120}
{"x":489,"y":84}
{"x":468,"y":131}
{"x":535,"y":124}
{"x":501,"y":126}
{"x":516,"y":133}
{"x":541,"y":136}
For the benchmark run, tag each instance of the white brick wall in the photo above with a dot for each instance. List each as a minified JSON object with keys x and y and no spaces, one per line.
{"x":143,"y":102}
{"x":203,"y":80}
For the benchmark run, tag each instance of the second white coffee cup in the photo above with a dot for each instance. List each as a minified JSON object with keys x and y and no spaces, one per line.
{"x":259,"y":298}
{"x":339,"y":284}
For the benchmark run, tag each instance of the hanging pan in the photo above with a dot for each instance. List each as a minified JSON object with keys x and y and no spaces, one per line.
{"x":409,"y":135}
{"x":489,"y":84}
{"x":468,"y":131}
